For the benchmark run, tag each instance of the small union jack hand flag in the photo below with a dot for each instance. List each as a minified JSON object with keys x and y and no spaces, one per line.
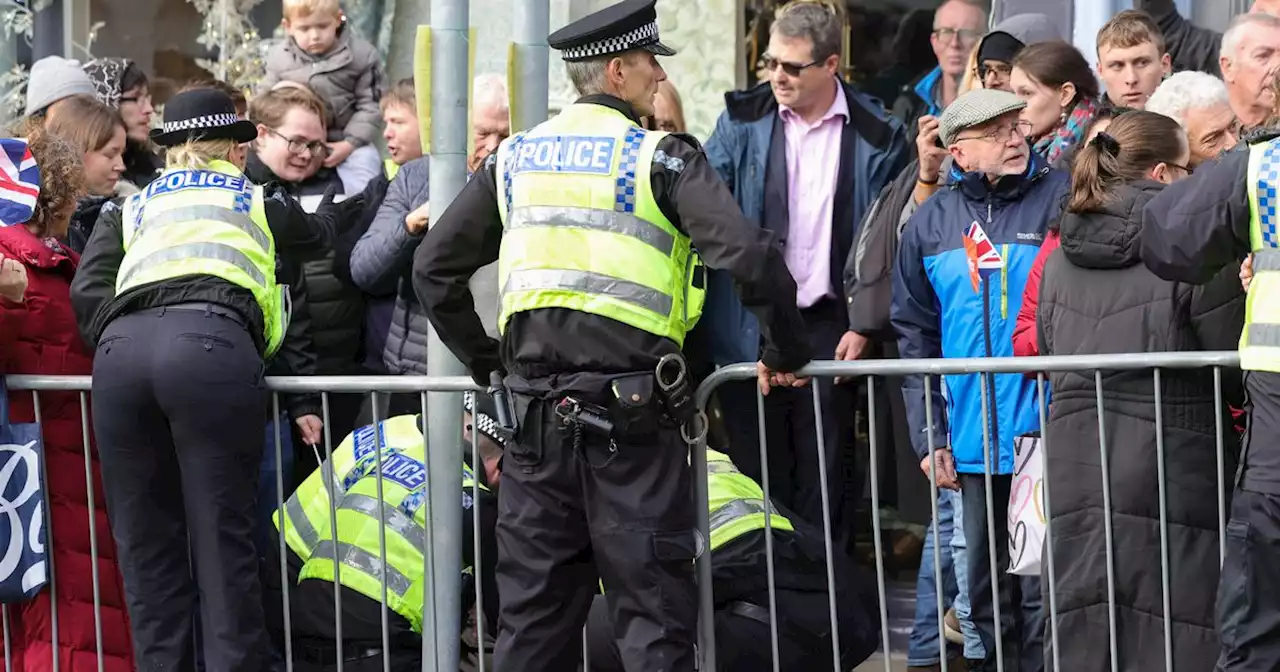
{"x":984,"y":258}
{"x":19,"y":182}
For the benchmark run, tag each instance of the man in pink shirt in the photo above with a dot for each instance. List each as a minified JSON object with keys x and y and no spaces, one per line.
{"x":804,"y":154}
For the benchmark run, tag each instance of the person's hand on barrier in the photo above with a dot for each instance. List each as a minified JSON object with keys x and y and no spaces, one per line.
{"x":13,"y":279}
{"x":311,"y":428}
{"x":853,"y":346}
{"x":1246,"y":272}
{"x":768,"y":378}
{"x":946,"y":465}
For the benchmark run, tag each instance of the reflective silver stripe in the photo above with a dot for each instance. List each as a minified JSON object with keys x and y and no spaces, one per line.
{"x":301,"y":524}
{"x":589,"y":283}
{"x":624,"y":223}
{"x":1264,"y":335}
{"x":720,"y":467}
{"x":734,"y":510}
{"x":195,"y":213}
{"x":1266,"y":260}
{"x":394,"y":519}
{"x":363,"y":561}
{"x":215,"y":251}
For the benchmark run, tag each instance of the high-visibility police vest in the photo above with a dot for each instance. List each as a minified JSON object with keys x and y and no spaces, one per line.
{"x":1260,"y":338}
{"x":204,"y":222}
{"x":583,"y":230}
{"x":736,"y":502}
{"x":353,"y":469}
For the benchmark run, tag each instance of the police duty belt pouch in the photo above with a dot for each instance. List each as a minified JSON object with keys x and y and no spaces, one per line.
{"x":633,"y":406}
{"x":24,"y":564}
{"x":1026,"y":506}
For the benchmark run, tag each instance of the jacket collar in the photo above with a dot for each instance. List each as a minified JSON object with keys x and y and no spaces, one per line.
{"x":32,"y":251}
{"x":259,"y":173}
{"x":1109,"y":237}
{"x":1008,"y":188}
{"x":866,"y":115}
{"x":611,"y":102}
{"x":926,"y":88}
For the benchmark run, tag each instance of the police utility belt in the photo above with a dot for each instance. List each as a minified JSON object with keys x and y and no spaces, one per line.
{"x":637,"y":403}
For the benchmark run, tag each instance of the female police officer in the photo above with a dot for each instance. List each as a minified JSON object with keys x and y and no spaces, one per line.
{"x":177,"y":290}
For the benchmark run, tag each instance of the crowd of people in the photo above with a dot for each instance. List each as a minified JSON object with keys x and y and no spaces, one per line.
{"x":1012,"y":200}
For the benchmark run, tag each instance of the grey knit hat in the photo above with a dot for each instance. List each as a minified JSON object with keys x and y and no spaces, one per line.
{"x":54,"y":78}
{"x":976,"y":107}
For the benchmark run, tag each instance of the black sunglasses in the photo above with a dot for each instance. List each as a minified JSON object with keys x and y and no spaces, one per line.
{"x":791,"y":69}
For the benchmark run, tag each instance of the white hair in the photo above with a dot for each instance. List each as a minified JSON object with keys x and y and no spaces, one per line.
{"x":1231,"y":38}
{"x":1184,"y":91}
{"x":490,"y":90}
{"x":588,"y":76}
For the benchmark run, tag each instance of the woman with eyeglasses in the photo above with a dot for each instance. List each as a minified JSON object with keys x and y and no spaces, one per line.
{"x":1097,"y":297}
{"x":122,"y":85}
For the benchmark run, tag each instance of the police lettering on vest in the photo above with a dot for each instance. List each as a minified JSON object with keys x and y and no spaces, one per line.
{"x":566,"y":154}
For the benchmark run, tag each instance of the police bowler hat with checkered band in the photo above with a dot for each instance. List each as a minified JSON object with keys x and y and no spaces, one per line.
{"x":628,"y":25}
{"x":202,"y":114}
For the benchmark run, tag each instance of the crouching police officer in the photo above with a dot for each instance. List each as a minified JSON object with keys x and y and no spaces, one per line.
{"x":178,"y":292}
{"x":314,"y":551}
{"x":741,"y":585}
{"x":594,"y":222}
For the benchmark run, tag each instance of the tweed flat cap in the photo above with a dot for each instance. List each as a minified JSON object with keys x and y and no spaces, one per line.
{"x":976,"y":107}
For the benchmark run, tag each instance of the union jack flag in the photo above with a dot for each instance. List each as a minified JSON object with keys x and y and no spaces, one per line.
{"x":984,"y":258}
{"x":19,"y":182}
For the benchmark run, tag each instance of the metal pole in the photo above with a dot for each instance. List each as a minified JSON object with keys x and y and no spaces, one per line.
{"x":532,"y":24}
{"x":47,"y":31}
{"x":450,"y":28}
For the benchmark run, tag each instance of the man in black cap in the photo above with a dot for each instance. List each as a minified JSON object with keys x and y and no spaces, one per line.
{"x":594,"y":220}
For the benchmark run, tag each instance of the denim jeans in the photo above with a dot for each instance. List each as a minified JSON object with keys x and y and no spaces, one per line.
{"x":922,"y":648}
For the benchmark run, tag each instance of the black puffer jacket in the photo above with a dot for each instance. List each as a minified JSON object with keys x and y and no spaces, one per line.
{"x":337,"y":307}
{"x":1097,"y":297}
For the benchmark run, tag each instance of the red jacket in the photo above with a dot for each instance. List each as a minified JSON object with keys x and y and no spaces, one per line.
{"x":1025,"y":343}
{"x":39,"y":336}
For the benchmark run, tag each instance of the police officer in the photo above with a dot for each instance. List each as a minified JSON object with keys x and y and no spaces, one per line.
{"x":595,"y":223}
{"x":177,"y":290}
{"x":1194,"y":230}
{"x":740,"y":582}
{"x":312,"y":546}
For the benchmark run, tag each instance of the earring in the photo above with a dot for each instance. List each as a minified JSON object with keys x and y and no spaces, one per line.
{"x":1062,"y":118}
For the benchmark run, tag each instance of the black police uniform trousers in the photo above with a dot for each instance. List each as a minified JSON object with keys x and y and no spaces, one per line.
{"x":179,"y":405}
{"x":570,"y":510}
{"x":1248,"y":607}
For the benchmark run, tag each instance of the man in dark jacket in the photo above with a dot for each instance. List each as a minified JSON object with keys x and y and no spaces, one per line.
{"x":1193,"y":47}
{"x":957,"y":286}
{"x":851,"y":149}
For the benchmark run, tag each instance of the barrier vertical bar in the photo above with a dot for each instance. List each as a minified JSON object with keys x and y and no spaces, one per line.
{"x":770,"y":576}
{"x":477,"y":561}
{"x":331,"y":486}
{"x":284,"y":524}
{"x":826,"y":524}
{"x":991,"y":518}
{"x":429,"y":610}
{"x":1164,"y":524}
{"x":937,"y":537}
{"x":93,"y":528}
{"x":8,"y":651}
{"x":875,"y":522}
{"x":702,"y":564}
{"x":382,"y":537}
{"x":1048,"y":522}
{"x":1222,"y":476}
{"x":586,"y":652}
{"x":53,"y":574}
{"x":1106,"y":521}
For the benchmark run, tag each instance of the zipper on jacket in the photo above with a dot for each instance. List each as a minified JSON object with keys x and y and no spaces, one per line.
{"x":993,"y":415}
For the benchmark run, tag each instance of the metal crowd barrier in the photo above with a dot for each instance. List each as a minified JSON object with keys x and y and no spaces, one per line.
{"x":442,"y":628}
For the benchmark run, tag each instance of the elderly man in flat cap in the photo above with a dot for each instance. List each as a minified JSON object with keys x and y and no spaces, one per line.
{"x":594,"y":222}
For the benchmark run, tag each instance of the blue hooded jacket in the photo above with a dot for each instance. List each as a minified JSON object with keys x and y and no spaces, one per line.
{"x":955,"y":296}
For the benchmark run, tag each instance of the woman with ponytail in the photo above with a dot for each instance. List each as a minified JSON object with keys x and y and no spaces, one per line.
{"x":1097,"y":297}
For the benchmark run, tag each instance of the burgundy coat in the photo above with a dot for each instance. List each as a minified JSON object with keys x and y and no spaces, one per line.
{"x":39,"y":336}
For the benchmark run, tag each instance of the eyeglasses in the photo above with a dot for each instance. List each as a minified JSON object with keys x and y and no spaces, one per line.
{"x":1003,"y":133}
{"x":297,"y":145}
{"x":1001,"y":69}
{"x":947,"y":35}
{"x":770,"y":64}
{"x":1186,"y":169}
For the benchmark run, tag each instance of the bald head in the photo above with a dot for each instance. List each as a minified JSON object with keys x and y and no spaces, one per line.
{"x":1271,"y":7}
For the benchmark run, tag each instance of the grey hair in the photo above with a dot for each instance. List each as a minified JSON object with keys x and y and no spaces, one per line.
{"x":1231,"y":38}
{"x":814,"y":22}
{"x":588,"y":76}
{"x":1184,"y":91}
{"x":490,"y":90}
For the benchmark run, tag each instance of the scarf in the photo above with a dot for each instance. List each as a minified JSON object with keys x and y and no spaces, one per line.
{"x":1062,"y":140}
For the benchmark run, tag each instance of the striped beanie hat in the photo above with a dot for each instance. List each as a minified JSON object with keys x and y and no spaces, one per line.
{"x":19,"y":182}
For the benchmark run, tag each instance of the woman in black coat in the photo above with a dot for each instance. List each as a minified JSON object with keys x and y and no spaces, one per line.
{"x":1097,"y":297}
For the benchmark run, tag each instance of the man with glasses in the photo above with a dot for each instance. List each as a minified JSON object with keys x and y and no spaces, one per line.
{"x":957,"y":287}
{"x":804,"y":155}
{"x":957,"y":27}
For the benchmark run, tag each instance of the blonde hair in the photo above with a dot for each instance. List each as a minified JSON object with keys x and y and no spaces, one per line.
{"x":198,"y":153}
{"x":299,"y":8}
{"x":270,"y":108}
{"x":971,"y":80}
